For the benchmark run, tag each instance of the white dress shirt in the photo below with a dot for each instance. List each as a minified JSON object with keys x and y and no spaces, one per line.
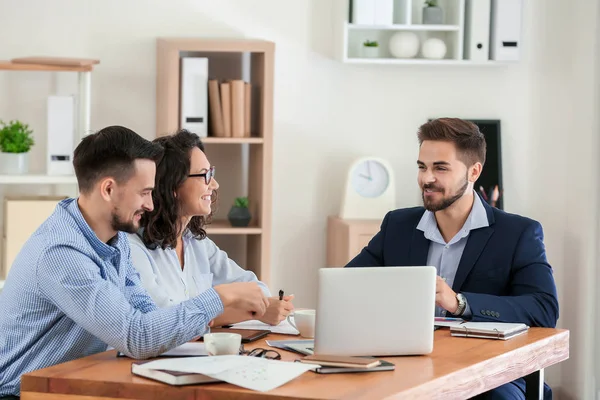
{"x":445,"y":256}
{"x":205,"y":266}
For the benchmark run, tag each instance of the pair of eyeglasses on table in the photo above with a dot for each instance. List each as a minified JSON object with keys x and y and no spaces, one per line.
{"x":260,"y":352}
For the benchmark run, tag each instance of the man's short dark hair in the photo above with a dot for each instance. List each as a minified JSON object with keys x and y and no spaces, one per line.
{"x":469,"y":141}
{"x":111,"y":152}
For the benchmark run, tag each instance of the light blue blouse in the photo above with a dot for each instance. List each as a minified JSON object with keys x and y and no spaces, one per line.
{"x":205,"y":266}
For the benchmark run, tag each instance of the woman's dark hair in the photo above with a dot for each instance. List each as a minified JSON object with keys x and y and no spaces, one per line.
{"x":112,"y":152}
{"x":162,"y":225}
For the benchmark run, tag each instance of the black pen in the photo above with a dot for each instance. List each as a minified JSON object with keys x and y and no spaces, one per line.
{"x":281,"y":295}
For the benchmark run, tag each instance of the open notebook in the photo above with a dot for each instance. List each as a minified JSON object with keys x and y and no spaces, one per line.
{"x":284,"y":328}
{"x":488,"y":330}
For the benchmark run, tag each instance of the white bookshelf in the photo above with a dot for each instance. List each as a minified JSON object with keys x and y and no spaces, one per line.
{"x":349,"y":37}
{"x":83,"y":68}
{"x":58,"y":185}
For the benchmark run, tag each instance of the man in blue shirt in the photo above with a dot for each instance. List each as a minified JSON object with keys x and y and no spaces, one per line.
{"x":491,"y":265}
{"x":72,"y":290}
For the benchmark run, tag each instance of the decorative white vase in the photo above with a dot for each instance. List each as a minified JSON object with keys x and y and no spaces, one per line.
{"x":434,"y":49}
{"x":370,"y":51}
{"x":14,"y":163}
{"x":404,"y":45}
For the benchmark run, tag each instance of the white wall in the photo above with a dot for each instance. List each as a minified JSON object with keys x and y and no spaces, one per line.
{"x":328,"y":113}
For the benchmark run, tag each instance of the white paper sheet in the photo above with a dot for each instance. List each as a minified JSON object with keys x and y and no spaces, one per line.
{"x":284,"y":327}
{"x":448,"y":324}
{"x":190,"y":349}
{"x":187,"y":349}
{"x":253,"y":373}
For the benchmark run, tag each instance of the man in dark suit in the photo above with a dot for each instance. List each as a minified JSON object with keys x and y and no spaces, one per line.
{"x":491,"y":265}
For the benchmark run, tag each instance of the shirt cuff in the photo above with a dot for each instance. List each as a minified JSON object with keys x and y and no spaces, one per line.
{"x":209,"y":301}
{"x":467,"y":313}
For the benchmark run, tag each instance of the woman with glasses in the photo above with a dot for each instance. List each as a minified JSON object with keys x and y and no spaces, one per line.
{"x":175,"y":258}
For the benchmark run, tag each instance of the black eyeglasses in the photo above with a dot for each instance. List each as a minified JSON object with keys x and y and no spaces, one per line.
{"x":263,"y":353}
{"x":208,"y":175}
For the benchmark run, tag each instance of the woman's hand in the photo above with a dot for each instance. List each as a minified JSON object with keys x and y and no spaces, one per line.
{"x":278,"y":310}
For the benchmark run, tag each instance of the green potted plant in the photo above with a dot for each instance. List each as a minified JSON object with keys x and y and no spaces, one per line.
{"x":239,"y":214}
{"x":15,"y":142}
{"x":370,"y":49}
{"x":432,"y":13}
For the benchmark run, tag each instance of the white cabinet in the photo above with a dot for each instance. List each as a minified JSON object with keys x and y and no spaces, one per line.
{"x":408,"y":27}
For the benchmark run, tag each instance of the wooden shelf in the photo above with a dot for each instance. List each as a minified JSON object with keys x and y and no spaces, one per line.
{"x":227,"y":140}
{"x":227,"y":45}
{"x":9,"y":66}
{"x":225,"y":228}
{"x":38,"y":179}
{"x":406,"y":27}
{"x":247,"y":170}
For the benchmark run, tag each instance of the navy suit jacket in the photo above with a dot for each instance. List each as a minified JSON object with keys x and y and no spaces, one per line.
{"x":503,"y":271}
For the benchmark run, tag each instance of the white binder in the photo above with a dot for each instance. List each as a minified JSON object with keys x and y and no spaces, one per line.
{"x":477,"y":29}
{"x":61,"y":135}
{"x":505,"y":43}
{"x":384,"y":12}
{"x":194,"y":95}
{"x":363,"y":12}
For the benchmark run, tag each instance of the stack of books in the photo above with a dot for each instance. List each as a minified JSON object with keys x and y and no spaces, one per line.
{"x":230,"y":107}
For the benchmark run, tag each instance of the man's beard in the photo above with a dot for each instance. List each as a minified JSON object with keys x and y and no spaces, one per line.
{"x":125,"y":226}
{"x":446,"y":201}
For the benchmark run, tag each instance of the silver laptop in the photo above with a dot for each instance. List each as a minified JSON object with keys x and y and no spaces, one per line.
{"x":375,"y":311}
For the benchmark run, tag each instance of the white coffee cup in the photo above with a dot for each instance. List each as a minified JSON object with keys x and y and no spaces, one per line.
{"x":304,"y":322}
{"x":222,"y":343}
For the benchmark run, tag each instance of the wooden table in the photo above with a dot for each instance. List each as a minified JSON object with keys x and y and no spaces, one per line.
{"x":458,"y":368}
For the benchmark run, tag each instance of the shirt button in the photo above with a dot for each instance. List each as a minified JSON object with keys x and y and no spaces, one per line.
{"x":446,"y":246}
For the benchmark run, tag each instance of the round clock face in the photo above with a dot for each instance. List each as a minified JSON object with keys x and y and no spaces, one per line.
{"x":370,"y":178}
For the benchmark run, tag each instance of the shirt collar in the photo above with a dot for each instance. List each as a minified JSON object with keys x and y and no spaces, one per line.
{"x":477,"y":219}
{"x":187,"y":234}
{"x":103,"y":249}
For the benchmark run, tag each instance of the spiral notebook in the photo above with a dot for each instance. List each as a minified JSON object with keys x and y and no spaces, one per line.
{"x":489,"y":330}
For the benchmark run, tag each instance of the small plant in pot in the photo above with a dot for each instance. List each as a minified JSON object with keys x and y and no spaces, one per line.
{"x":370,"y":49}
{"x":15,"y":143}
{"x":432,"y":13}
{"x":239,"y":214}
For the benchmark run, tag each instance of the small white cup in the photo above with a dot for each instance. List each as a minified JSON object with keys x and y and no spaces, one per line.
{"x":304,"y":322}
{"x":222,"y":343}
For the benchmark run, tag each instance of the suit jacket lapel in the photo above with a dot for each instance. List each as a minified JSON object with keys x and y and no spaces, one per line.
{"x":419,"y":248}
{"x":475,"y":245}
